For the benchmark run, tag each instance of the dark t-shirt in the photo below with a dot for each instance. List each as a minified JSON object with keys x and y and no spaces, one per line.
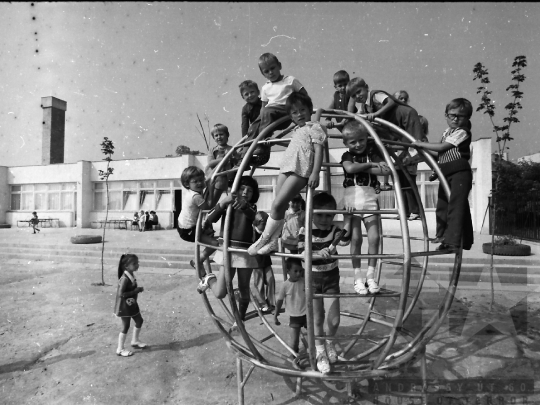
{"x":250,"y":112}
{"x":361,"y":178}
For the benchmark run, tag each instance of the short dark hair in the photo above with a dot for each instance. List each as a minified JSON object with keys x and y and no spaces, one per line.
{"x":323,"y":199}
{"x":248,"y":84}
{"x":297,"y":198}
{"x":353,"y":126}
{"x":219,"y":127}
{"x":251,"y":182}
{"x":425,"y":125}
{"x":292,"y":260}
{"x":267,"y":57}
{"x":341,"y":76}
{"x":298,"y":98}
{"x":399,"y":93}
{"x":462,"y":103}
{"x":354,"y":83}
{"x":188,"y":173}
{"x":34,"y":213}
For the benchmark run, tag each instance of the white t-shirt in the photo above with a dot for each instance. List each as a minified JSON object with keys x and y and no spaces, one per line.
{"x":294,"y":295}
{"x":276,"y":93}
{"x":190,"y":209}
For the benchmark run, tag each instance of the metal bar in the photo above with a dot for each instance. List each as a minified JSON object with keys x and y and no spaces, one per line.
{"x":239,"y":378}
{"x":309,"y":279}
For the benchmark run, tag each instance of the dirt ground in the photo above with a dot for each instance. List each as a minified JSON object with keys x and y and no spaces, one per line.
{"x":58,"y":338}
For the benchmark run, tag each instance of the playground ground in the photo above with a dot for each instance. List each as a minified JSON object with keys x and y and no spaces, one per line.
{"x":58,"y":339}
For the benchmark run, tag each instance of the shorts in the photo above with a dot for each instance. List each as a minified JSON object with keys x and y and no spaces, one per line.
{"x":298,"y":321}
{"x":187,"y":234}
{"x":326,"y":282}
{"x":361,"y":198}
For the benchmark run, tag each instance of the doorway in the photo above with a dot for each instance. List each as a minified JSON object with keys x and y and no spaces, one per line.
{"x":177,"y":206}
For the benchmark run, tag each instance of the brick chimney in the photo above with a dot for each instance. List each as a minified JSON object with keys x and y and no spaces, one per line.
{"x":54,"y":123}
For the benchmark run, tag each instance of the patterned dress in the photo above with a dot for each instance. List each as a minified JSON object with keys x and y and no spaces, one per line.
{"x":300,"y":153}
{"x":126,"y":300}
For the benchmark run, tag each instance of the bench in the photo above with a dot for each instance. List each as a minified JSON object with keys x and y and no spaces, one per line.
{"x":42,"y":221}
{"x":116,"y":223}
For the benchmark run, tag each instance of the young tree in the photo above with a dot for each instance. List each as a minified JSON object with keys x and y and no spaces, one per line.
{"x":502,"y":132}
{"x":107,"y":148}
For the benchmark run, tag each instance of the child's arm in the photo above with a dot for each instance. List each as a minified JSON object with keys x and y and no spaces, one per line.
{"x":351,"y":106}
{"x":123,"y":287}
{"x":214,"y":162}
{"x":218,"y":210}
{"x":435,"y":147}
{"x":313,"y":181}
{"x":245,"y":120}
{"x":329,"y":121}
{"x":279,"y":305}
{"x":384,"y":109}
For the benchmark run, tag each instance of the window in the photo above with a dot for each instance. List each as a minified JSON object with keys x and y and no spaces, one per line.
{"x":42,"y":197}
{"x":267,"y":185}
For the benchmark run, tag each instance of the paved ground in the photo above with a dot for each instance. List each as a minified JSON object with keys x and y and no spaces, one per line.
{"x":58,"y":337}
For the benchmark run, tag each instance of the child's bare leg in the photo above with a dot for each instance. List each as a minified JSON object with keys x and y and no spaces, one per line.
{"x":218,"y":285}
{"x":270,"y":286}
{"x":258,"y":283}
{"x":356,"y":245}
{"x":287,"y":187}
{"x":332,"y":316}
{"x":373,"y":236}
{"x":318,"y":320}
{"x":244,"y":278}
{"x":294,"y":338}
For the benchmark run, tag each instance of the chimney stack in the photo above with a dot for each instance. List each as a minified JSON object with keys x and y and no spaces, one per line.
{"x":54,"y":123}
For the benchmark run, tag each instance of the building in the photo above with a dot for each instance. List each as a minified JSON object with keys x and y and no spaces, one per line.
{"x":75,"y":195}
{"x":534,"y":158}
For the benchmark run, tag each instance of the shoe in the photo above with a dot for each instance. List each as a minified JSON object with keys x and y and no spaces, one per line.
{"x":438,"y":239}
{"x":446,"y":246}
{"x":124,"y":353}
{"x":360,"y":287}
{"x":265,"y":309}
{"x":331,"y":351}
{"x":386,"y":187}
{"x":372,"y":286}
{"x":192,"y":264}
{"x":413,"y":217}
{"x":270,"y":247}
{"x":203,"y":284}
{"x":433,"y":176}
{"x":139,"y":345}
{"x":253,"y":249}
{"x":323,"y":365}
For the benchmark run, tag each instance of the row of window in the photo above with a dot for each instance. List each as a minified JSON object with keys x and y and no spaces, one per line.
{"x":43,"y":197}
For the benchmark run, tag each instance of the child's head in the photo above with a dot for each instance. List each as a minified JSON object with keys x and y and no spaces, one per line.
{"x":136,"y":214}
{"x":129,"y":262}
{"x":249,"y":91}
{"x":270,"y":67}
{"x":142,"y":212}
{"x":355,"y":137}
{"x":402,"y":96}
{"x":249,"y":189}
{"x":294,"y":269}
{"x":358,"y":89}
{"x":425,"y":127}
{"x":300,"y":107}
{"x":341,"y":79}
{"x":34,"y":213}
{"x":324,"y":201}
{"x":192,"y":178}
{"x":220,"y":133}
{"x":259,"y":222}
{"x":458,"y":113}
{"x":297,"y":202}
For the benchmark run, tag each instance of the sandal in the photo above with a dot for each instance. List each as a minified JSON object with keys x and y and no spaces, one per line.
{"x":139,"y":345}
{"x":124,"y":353}
{"x":373,"y":287}
{"x":203,"y":284}
{"x":360,"y":287}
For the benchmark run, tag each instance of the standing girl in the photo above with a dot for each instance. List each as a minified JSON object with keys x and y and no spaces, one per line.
{"x":126,"y":306}
{"x":263,"y":274}
{"x":241,"y":236}
{"x":300,"y":167}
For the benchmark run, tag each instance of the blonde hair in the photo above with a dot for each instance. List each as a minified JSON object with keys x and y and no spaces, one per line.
{"x":219,"y":127}
{"x":354,"y":83}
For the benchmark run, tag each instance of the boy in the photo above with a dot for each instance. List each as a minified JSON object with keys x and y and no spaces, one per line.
{"x":361,"y":165}
{"x":340,"y":101}
{"x":294,"y":291}
{"x":325,"y":278}
{"x":294,"y":220}
{"x":251,"y":110}
{"x":274,"y":94}
{"x":454,"y":221}
{"x":34,"y":221}
{"x":220,"y":133}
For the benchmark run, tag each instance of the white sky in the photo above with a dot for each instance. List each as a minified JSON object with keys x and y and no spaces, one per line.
{"x":139,"y":73}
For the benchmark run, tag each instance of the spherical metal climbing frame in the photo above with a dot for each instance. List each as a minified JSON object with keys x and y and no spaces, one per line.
{"x":385,"y":363}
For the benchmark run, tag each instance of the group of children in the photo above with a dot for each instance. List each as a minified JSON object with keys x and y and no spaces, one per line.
{"x":256,"y":234}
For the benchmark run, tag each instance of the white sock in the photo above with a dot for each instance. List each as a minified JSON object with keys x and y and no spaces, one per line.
{"x":135,"y":337}
{"x":121,"y":341}
{"x":320,"y":349}
{"x":358,"y":274}
{"x":370,"y":272}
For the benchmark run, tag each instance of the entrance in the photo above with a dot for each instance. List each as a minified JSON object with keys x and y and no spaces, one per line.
{"x":177,"y":206}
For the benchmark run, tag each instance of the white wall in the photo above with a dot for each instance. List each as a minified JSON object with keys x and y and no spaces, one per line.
{"x":57,"y":173}
{"x":535,"y":158}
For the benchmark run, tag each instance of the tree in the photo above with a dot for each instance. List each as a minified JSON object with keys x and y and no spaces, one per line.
{"x":107,"y":148}
{"x":502,"y":132}
{"x":185,"y":150}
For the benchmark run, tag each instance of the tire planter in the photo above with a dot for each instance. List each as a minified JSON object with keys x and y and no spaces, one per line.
{"x":507,"y":250}
{"x":84,"y":239}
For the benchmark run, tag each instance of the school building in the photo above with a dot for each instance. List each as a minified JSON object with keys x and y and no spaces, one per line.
{"x":74,"y":194}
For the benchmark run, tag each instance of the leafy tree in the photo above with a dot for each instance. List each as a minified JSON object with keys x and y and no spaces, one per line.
{"x":185,"y":150}
{"x":107,"y":147}
{"x":502,"y":132}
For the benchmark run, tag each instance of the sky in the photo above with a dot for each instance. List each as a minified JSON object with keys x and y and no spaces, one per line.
{"x":139,"y":73}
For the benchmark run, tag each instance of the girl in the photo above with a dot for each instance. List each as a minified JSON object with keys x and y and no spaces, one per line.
{"x":142,"y":221}
{"x":263,"y":274}
{"x":126,"y":306}
{"x":136,"y":219}
{"x":193,"y":181}
{"x":300,"y":167}
{"x":34,"y":221}
{"x":294,"y":220}
{"x":243,"y":214}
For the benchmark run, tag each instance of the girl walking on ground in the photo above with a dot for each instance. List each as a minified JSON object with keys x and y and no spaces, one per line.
{"x":126,"y":306}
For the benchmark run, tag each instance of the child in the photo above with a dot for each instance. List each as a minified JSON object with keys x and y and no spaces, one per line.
{"x":34,"y":221}
{"x":340,"y":101}
{"x":193,"y":180}
{"x":274,"y":94}
{"x":135,"y":220}
{"x":300,"y":167}
{"x":294,"y":220}
{"x":453,"y":215}
{"x":380,"y":104}
{"x":325,"y":278}
{"x":142,"y":221}
{"x":251,"y":110}
{"x":220,"y":133}
{"x":126,"y":306}
{"x":361,"y":164}
{"x":293,"y":291}
{"x":243,"y":214}
{"x":402,"y":96}
{"x":263,"y":275}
